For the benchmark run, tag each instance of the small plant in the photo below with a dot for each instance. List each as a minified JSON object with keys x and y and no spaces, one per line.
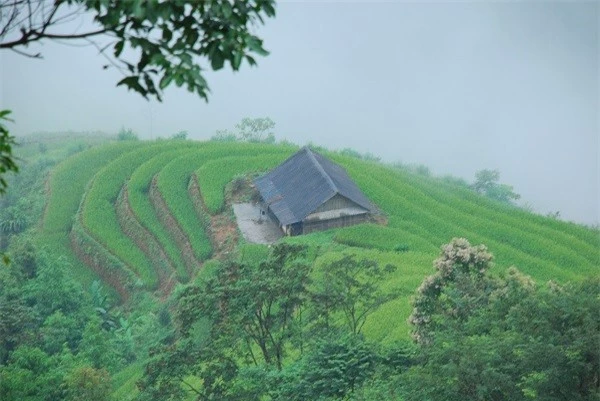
{"x":401,"y":247}
{"x":180,"y":136}
{"x":127,"y":135}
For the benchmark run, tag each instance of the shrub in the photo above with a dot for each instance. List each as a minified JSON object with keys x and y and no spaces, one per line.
{"x":127,"y":135}
{"x":181,"y":136}
{"x":401,"y":248}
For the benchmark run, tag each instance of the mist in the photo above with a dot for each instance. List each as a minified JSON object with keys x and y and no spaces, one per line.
{"x":458,"y":87}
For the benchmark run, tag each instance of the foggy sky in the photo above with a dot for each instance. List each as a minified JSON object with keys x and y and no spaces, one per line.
{"x":457,"y":86}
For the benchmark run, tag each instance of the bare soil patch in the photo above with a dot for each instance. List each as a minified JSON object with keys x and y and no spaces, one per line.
{"x":222,"y":229}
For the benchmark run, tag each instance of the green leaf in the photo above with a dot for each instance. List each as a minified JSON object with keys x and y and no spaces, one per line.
{"x":192,"y":37}
{"x":119,"y":48}
{"x":179,"y":79}
{"x":186,"y":58}
{"x":237,"y":60}
{"x":255,"y":45}
{"x":167,"y":34}
{"x":217,"y":60}
{"x":133,"y":83}
{"x":250,"y":60}
{"x":227,"y":11}
{"x":165,"y":81}
{"x":144,"y":59}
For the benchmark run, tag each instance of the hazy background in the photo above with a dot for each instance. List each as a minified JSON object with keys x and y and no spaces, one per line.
{"x":456,"y":86}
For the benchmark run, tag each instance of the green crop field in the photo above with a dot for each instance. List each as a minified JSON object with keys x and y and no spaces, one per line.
{"x":138,"y":189}
{"x":215,"y":174}
{"x":174,"y":179}
{"x":100,"y":219}
{"x":422,"y":213}
{"x":67,"y":185}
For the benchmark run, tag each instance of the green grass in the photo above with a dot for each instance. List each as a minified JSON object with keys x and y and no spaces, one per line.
{"x":252,"y":253}
{"x":67,"y":185}
{"x":422,"y":212}
{"x":138,"y":188}
{"x":173,"y":181}
{"x":124,"y":382}
{"x":417,"y":202}
{"x":98,"y":210}
{"x":214,"y":175}
{"x":373,"y":236}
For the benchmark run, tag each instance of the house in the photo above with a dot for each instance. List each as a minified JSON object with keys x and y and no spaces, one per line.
{"x":309,"y":192}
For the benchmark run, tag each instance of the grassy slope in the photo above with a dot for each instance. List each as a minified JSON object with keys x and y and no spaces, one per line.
{"x":67,"y":185}
{"x":423,"y":213}
{"x":173,"y":181}
{"x":143,"y":210}
{"x":214,"y":175}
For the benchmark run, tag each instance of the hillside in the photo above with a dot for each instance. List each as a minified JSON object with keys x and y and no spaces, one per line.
{"x":122,"y":254}
{"x":127,"y":210}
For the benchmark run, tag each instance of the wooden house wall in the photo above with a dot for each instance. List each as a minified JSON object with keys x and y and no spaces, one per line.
{"x":343,"y":221}
{"x":335,"y":203}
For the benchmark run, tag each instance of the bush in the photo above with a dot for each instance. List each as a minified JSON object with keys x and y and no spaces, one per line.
{"x":181,"y":136}
{"x":127,"y":135}
{"x":401,"y":248}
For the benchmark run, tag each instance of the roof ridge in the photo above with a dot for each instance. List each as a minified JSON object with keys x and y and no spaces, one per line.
{"x":314,"y":160}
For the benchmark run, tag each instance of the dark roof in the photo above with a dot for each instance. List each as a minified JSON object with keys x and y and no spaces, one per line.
{"x":304,"y":182}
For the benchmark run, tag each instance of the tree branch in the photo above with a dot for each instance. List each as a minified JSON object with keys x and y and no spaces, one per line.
{"x":22,"y":53}
{"x":192,"y":388}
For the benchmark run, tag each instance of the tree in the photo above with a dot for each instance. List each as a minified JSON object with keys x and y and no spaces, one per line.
{"x":180,"y":136}
{"x":454,"y":290}
{"x":352,"y":287}
{"x":154,"y":43}
{"x":126,"y":134}
{"x":256,"y":130}
{"x":31,"y":374}
{"x":88,"y":384}
{"x":333,"y":369}
{"x":166,"y":38}
{"x":255,"y":306}
{"x":249,"y":130}
{"x":243,"y":317}
{"x":486,"y":183}
{"x":7,"y":161}
{"x":502,"y":338}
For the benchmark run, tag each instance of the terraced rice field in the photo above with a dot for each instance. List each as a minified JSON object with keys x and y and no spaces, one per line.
{"x":126,"y":211}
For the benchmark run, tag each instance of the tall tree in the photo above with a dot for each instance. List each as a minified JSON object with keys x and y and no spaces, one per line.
{"x":487,"y":183}
{"x":456,"y":289}
{"x":502,"y":338}
{"x":350,"y":286}
{"x":255,"y":306}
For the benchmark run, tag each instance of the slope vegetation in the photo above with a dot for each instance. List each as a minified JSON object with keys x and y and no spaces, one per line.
{"x":150,"y":182}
